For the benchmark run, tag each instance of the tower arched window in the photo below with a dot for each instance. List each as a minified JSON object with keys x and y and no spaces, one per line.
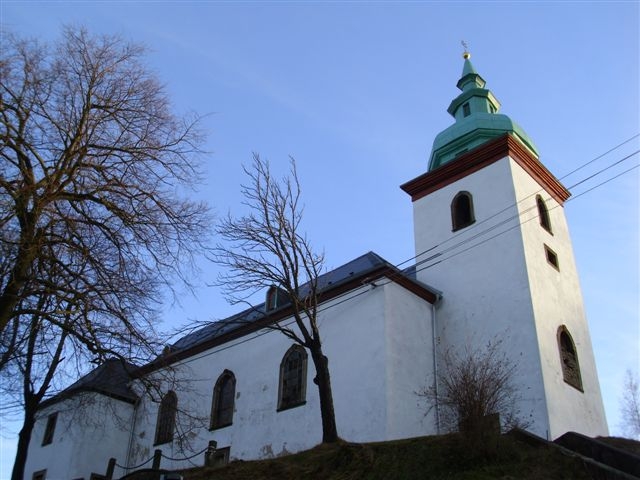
{"x":543,"y":213}
{"x":462,"y":211}
{"x":293,"y":378}
{"x":569,"y":359}
{"x":222,"y":405}
{"x":166,"y":418}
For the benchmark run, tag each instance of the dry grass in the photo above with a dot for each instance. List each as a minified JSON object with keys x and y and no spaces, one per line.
{"x":441,"y":457}
{"x":632,"y":446}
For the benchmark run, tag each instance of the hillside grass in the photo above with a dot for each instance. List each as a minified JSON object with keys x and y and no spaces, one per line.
{"x":436,"y":457}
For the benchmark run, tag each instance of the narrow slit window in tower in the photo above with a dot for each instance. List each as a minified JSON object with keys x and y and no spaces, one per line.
{"x":543,"y":213}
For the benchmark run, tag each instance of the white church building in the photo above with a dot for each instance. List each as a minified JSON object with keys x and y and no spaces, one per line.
{"x":251,"y":390}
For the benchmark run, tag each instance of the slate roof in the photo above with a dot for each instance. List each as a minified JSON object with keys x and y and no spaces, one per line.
{"x":356,"y":268}
{"x":111,"y":378}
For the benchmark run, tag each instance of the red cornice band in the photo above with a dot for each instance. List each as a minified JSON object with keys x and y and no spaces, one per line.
{"x":480,"y":157}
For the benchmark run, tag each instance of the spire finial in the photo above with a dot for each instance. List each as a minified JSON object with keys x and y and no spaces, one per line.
{"x":466,"y":55}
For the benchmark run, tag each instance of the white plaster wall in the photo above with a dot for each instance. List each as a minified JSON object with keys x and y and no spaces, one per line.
{"x":90,"y":429}
{"x":557,"y":301}
{"x":409,"y":364}
{"x":357,"y":337}
{"x":354,"y":341}
{"x":482,"y":274}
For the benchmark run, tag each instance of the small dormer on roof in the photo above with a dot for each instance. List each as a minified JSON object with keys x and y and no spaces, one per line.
{"x":276,"y":297}
{"x":477,"y":120}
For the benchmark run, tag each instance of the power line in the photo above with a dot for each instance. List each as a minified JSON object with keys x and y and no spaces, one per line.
{"x":599,"y":156}
{"x":603,"y":170}
{"x":529,"y":219}
{"x":603,"y":183}
{"x":508,"y":207}
{"x":436,"y":255}
{"x":350,"y":295}
{"x":520,"y":214}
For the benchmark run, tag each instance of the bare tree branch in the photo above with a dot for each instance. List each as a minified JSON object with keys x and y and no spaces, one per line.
{"x":264,"y":249}
{"x":473,"y":385}
{"x":93,"y":225}
{"x":630,"y":405}
{"x":92,"y":157}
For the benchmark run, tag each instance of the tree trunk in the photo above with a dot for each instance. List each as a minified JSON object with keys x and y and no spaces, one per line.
{"x":23,"y":443}
{"x":10,"y":297}
{"x":323,"y":381}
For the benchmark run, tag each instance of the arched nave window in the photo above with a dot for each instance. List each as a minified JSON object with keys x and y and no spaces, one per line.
{"x":543,"y":213}
{"x":222,"y":405}
{"x":569,"y":359}
{"x":462,"y":211}
{"x":293,"y":378}
{"x":166,"y":418}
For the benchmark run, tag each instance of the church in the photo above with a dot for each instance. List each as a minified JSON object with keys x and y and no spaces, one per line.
{"x":250,"y":389}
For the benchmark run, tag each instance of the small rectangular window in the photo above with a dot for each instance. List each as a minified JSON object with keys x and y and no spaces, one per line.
{"x":552,"y":257}
{"x":50,"y":428}
{"x":39,"y":475}
{"x":466,"y":109}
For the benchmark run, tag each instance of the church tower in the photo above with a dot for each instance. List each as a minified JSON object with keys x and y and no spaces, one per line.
{"x":491,"y":234}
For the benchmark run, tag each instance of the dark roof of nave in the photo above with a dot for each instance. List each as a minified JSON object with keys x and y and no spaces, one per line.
{"x":113,"y":377}
{"x":357,"y":268}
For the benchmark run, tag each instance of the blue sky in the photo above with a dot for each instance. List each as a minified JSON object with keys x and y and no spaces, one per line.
{"x":356,"y":92}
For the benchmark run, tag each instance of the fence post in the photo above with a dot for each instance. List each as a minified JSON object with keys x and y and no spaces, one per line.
{"x":110,"y":467}
{"x":209,"y":454}
{"x":157,"y":456}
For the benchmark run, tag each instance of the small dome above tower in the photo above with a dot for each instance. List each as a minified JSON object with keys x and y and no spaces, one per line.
{"x":476,"y":120}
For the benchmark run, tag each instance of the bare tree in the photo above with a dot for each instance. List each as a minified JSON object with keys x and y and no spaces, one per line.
{"x":266,"y":248}
{"x":475,"y":392}
{"x":49,"y":357}
{"x":93,"y":226}
{"x":30,"y":373}
{"x":92,"y":157}
{"x":630,"y":405}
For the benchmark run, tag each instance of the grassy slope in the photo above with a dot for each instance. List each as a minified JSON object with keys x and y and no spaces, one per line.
{"x":443,"y":457}
{"x":627,"y":444}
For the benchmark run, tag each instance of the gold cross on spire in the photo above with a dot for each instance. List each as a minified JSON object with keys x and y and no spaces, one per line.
{"x":466,"y":55}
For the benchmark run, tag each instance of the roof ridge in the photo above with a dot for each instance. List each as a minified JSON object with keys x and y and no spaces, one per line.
{"x":325,"y":280}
